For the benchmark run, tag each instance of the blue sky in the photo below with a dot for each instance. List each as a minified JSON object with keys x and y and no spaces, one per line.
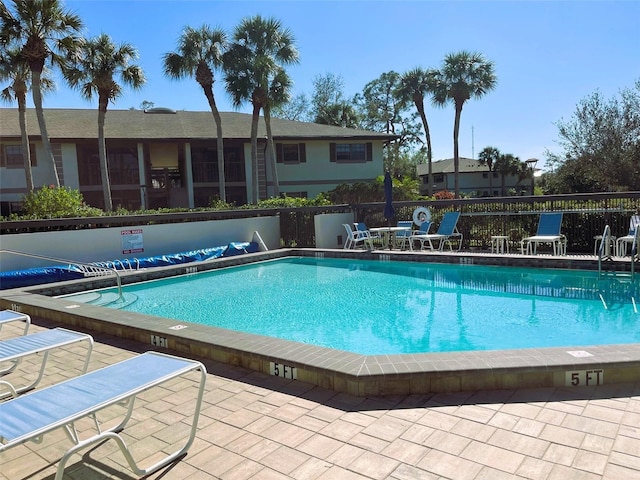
{"x":548,"y":55}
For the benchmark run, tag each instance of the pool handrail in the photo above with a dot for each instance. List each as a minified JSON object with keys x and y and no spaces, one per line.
{"x":86,"y":268}
{"x":606,"y":235}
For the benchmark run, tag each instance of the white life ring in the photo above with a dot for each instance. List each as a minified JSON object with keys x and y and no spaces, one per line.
{"x":421,"y":215}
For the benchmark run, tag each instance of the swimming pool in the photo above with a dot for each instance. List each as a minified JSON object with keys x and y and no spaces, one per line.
{"x":386,"y":308}
{"x":342,"y":371}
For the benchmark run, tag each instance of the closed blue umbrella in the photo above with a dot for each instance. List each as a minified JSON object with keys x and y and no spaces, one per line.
{"x":389,"y":211}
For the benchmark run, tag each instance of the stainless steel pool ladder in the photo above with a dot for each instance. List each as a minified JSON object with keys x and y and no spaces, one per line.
{"x":87,"y":269}
{"x":604,"y":249}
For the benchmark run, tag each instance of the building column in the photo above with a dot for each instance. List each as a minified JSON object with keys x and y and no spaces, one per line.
{"x":142,"y":172}
{"x":188,"y":173}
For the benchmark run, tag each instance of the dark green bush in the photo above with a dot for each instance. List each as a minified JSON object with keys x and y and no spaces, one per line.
{"x":57,"y":202}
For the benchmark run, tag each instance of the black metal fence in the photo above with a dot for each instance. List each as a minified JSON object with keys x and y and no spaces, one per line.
{"x":585,"y":216}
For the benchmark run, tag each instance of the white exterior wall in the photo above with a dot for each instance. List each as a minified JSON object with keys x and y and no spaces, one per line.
{"x":318,"y":174}
{"x":329,"y":230}
{"x":106,"y":244}
{"x":70,"y":165}
{"x":14,"y":178}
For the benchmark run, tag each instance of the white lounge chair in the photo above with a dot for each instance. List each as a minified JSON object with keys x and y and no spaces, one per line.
{"x":356,"y":238}
{"x":31,"y":416}
{"x":403,"y":237}
{"x":362,"y":229}
{"x":621,"y":242}
{"x":548,"y":232}
{"x":14,"y":350}
{"x":9,"y":316}
{"x":446,"y":230}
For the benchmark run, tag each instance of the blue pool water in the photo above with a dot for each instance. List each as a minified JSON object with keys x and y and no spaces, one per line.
{"x":373,"y":307}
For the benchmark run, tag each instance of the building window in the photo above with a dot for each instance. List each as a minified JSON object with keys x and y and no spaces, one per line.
{"x":351,"y":152}
{"x":485,"y":175}
{"x":204,"y":164}
{"x":438,"y":178}
{"x":291,"y":153}
{"x":122,"y":161}
{"x":11,"y":156}
{"x":123,"y":166}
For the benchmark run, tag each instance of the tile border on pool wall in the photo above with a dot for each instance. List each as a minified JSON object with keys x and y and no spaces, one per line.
{"x":347,"y":372}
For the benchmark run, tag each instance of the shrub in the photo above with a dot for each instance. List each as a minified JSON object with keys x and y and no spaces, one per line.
{"x":291,"y":202}
{"x":53,"y":202}
{"x":444,"y":195}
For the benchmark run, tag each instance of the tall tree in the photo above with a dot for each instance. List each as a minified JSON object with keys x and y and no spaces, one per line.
{"x":489,"y":156}
{"x":198,"y":55}
{"x":297,"y":109}
{"x":414,"y":86}
{"x":279,"y":94}
{"x":508,"y":164}
{"x":14,"y":69}
{"x":600,"y":143}
{"x":381,"y":110}
{"x":94,"y":73}
{"x":260,"y":49}
{"x":328,"y":103}
{"x":43,"y":31}
{"x":463,"y":75}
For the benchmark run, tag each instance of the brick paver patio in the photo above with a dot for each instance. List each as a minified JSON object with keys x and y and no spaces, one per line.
{"x":254,"y":426}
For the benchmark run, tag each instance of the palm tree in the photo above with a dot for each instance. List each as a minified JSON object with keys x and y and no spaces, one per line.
{"x":414,"y":86}
{"x":260,"y":49}
{"x":199,"y":53}
{"x":14,"y":68}
{"x":94,"y":74}
{"x":279,"y":93}
{"x":507,"y":164}
{"x":463,"y":75}
{"x":43,"y":32}
{"x":489,"y":157}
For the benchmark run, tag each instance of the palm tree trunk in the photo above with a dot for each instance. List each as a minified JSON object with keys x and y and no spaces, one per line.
{"x":427,"y":135}
{"x":490,"y":182}
{"x":456,"y":157}
{"x":37,"y":102}
{"x":26,"y":152}
{"x":208,"y":91}
{"x":255,"y":116}
{"x":272,"y":152}
{"x":102,"y":152}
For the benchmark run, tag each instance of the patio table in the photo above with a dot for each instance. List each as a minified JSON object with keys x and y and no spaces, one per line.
{"x":389,"y":234}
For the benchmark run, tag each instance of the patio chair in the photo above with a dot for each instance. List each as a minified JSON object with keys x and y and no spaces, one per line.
{"x":31,"y":416}
{"x":446,"y":230}
{"x":364,"y":230}
{"x":9,"y":316}
{"x":549,"y":226}
{"x":14,"y":350}
{"x":621,"y":242}
{"x":403,"y":237}
{"x":356,"y":238}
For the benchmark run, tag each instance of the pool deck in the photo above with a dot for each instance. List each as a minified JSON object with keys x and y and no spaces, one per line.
{"x":347,"y":372}
{"x":260,"y":427}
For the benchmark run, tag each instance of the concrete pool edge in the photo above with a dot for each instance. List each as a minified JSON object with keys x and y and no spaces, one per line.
{"x":346,"y":372}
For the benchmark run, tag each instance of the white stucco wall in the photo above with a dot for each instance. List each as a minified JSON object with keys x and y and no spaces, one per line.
{"x":329,"y":230}
{"x":106,"y":244}
{"x":318,"y":174}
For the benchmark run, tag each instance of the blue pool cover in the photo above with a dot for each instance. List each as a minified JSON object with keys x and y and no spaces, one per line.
{"x":60,"y":273}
